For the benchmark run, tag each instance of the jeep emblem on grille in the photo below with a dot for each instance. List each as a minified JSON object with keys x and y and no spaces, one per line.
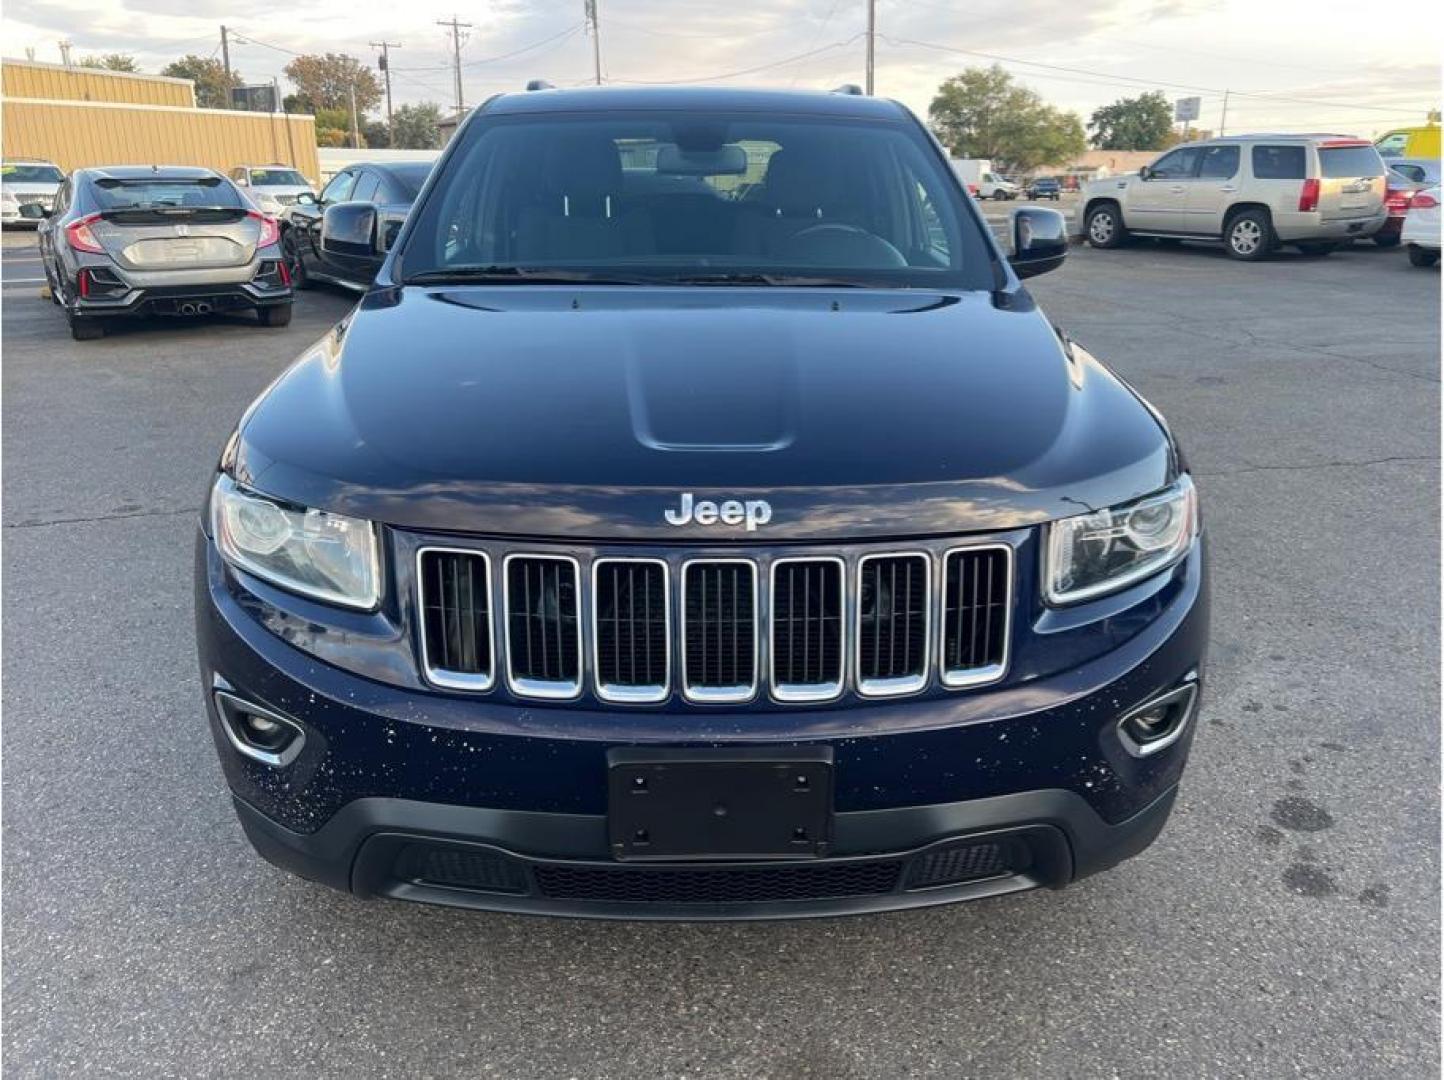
{"x":749,"y":514}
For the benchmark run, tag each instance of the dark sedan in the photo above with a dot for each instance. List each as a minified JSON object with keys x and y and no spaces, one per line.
{"x":313,"y":254}
{"x":158,"y":240}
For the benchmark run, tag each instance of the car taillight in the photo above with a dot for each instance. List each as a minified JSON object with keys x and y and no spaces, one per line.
{"x":1398,"y":201}
{"x":80,"y":238}
{"x":1309,"y":196}
{"x":270,"y":229}
{"x":1423,"y":201}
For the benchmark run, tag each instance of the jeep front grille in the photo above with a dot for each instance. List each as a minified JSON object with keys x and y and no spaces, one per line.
{"x":797,"y":627}
{"x":631,"y":629}
{"x":456,"y":636}
{"x":893,"y":608}
{"x":543,"y":627}
{"x":719,"y":630}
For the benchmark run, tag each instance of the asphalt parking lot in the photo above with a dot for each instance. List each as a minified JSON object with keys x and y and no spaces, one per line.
{"x":1286,"y":923}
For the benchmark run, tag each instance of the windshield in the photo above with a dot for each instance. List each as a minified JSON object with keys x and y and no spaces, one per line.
{"x":144,"y":194}
{"x":30,"y":174}
{"x":686,"y":196}
{"x":277,"y":178}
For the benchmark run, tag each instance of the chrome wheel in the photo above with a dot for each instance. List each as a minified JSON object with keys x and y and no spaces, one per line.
{"x":1100,"y":227}
{"x":1246,"y":237}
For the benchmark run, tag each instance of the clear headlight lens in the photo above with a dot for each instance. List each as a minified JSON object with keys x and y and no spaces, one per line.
{"x":325,"y":556}
{"x":1105,"y":551}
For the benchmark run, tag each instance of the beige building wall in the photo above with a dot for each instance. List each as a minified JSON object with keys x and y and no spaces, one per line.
{"x":56,"y":82}
{"x":74,"y":134}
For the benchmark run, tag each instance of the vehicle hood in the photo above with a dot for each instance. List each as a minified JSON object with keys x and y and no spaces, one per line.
{"x":585,"y":413}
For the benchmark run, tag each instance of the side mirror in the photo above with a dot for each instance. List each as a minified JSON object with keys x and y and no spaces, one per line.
{"x":349,"y":229}
{"x":33,"y":211}
{"x":1040,"y":241}
{"x":1145,"y":173}
{"x":241,"y":181}
{"x":390,"y":230}
{"x":306,"y":199}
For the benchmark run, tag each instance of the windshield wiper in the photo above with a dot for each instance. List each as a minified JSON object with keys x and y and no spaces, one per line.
{"x":751,"y":277}
{"x":518,"y":275}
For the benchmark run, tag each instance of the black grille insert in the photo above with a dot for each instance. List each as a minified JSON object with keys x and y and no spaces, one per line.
{"x":631,"y":628}
{"x":967,"y":862}
{"x":459,"y":869}
{"x":720,"y":630}
{"x":892,"y":623}
{"x":456,"y":618}
{"x":722,"y":885}
{"x":807,"y":621}
{"x":975,"y":614}
{"x":543,"y":630}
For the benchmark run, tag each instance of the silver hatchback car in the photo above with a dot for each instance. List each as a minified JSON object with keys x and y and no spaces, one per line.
{"x":159,"y":240}
{"x":1253,"y":192}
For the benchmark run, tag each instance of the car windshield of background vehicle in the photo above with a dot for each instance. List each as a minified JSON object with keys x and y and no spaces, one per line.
{"x":151,"y":194}
{"x":30,"y":174}
{"x":1338,"y":162}
{"x":277,"y":178}
{"x":709,"y":199}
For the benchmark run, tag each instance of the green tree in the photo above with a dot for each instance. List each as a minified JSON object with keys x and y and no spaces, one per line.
{"x":110,"y":62}
{"x":213,"y":82}
{"x":414,"y":127}
{"x":982,"y":113}
{"x":326,"y":81}
{"x":333,"y":127}
{"x":1140,"y":123}
{"x":375,"y":135}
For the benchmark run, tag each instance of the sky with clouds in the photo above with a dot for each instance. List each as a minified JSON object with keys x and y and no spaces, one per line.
{"x":1289,"y":64}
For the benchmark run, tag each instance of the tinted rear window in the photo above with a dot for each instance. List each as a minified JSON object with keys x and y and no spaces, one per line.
{"x":277,"y":178}
{"x":143,"y":194}
{"x":1279,"y":162}
{"x":1342,"y":161}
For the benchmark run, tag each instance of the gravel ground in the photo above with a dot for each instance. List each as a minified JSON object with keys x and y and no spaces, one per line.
{"x":1286,"y":923}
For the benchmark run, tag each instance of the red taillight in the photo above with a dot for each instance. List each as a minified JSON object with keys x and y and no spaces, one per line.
{"x":1398,"y":202}
{"x":83,"y":280}
{"x":80,"y":238}
{"x":285,"y":272}
{"x":270,"y":229}
{"x":1423,"y":201}
{"x":1309,"y":196}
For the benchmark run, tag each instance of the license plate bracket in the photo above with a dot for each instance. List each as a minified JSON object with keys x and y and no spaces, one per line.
{"x":719,"y":804}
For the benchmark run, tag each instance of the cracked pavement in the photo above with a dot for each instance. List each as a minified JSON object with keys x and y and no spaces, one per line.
{"x":1286,"y":923}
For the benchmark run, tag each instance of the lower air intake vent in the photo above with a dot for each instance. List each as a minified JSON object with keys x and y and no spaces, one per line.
{"x":456,"y":618}
{"x":976,"y":601}
{"x":458,"y":869}
{"x":755,"y":885}
{"x":719,"y":630}
{"x":892,"y":624}
{"x":807,"y":623}
{"x":967,"y":862}
{"x":632,"y":631}
{"x":543,"y":632}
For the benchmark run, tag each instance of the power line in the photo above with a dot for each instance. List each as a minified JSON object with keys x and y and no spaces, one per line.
{"x":745,"y":71}
{"x":558,"y":37}
{"x":456,"y":28}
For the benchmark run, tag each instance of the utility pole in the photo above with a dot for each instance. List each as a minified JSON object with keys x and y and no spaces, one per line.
{"x":355,"y":123}
{"x":65,"y":53}
{"x":589,"y":8}
{"x":871,"y":41}
{"x":385,"y":62}
{"x":226,"y":60}
{"x":1223,"y":121}
{"x":456,"y":28}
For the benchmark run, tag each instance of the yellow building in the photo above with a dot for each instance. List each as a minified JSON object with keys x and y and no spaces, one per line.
{"x":81,"y":116}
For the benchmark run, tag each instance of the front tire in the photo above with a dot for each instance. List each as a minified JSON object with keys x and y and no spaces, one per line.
{"x":1249,"y":235}
{"x":294,"y":265}
{"x":1422,"y":256}
{"x":1104,"y":227}
{"x":279,"y":315}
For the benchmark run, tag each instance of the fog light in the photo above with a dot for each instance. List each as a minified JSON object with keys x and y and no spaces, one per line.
{"x":1158,"y":723}
{"x":259,"y":733}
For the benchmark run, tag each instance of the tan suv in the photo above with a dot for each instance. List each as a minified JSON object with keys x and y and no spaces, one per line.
{"x":1253,"y":192}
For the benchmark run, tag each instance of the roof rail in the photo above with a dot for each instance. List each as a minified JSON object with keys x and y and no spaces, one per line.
{"x":539,"y":84}
{"x":850,"y":88}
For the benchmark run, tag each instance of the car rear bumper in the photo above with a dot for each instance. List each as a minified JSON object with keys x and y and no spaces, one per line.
{"x":1292,"y":227}
{"x":172,"y":299}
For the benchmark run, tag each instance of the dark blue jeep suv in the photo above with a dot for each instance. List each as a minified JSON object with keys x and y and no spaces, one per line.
{"x":698,"y":519}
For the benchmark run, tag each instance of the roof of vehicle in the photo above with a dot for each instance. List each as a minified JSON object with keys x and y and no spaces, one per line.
{"x":1282,"y":136}
{"x":602,"y":98}
{"x":148,"y":172}
{"x":27,"y":161}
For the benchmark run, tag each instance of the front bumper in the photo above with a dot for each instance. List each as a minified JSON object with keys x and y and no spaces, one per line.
{"x":410,"y":794}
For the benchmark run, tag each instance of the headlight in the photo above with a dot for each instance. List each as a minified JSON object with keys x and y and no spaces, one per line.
{"x":1104,"y":551}
{"x":321,"y":555}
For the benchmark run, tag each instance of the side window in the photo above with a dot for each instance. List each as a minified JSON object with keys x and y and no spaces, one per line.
{"x":935,"y":231}
{"x":366,"y":188}
{"x":1219,"y":163}
{"x":339,"y":189}
{"x":1278,"y":163}
{"x":1176,"y":166}
{"x":1411,"y":172}
{"x":1392,"y":144}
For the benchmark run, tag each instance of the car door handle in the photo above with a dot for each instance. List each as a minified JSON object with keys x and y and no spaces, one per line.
{"x":1177,"y":189}
{"x":1228,"y":187}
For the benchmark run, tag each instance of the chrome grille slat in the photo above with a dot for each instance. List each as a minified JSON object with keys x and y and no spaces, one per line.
{"x":976,"y":614}
{"x":543,"y":626}
{"x":457,"y":645}
{"x":807,"y":649}
{"x":894,"y":609}
{"x":719,"y":630}
{"x":631,"y":629}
